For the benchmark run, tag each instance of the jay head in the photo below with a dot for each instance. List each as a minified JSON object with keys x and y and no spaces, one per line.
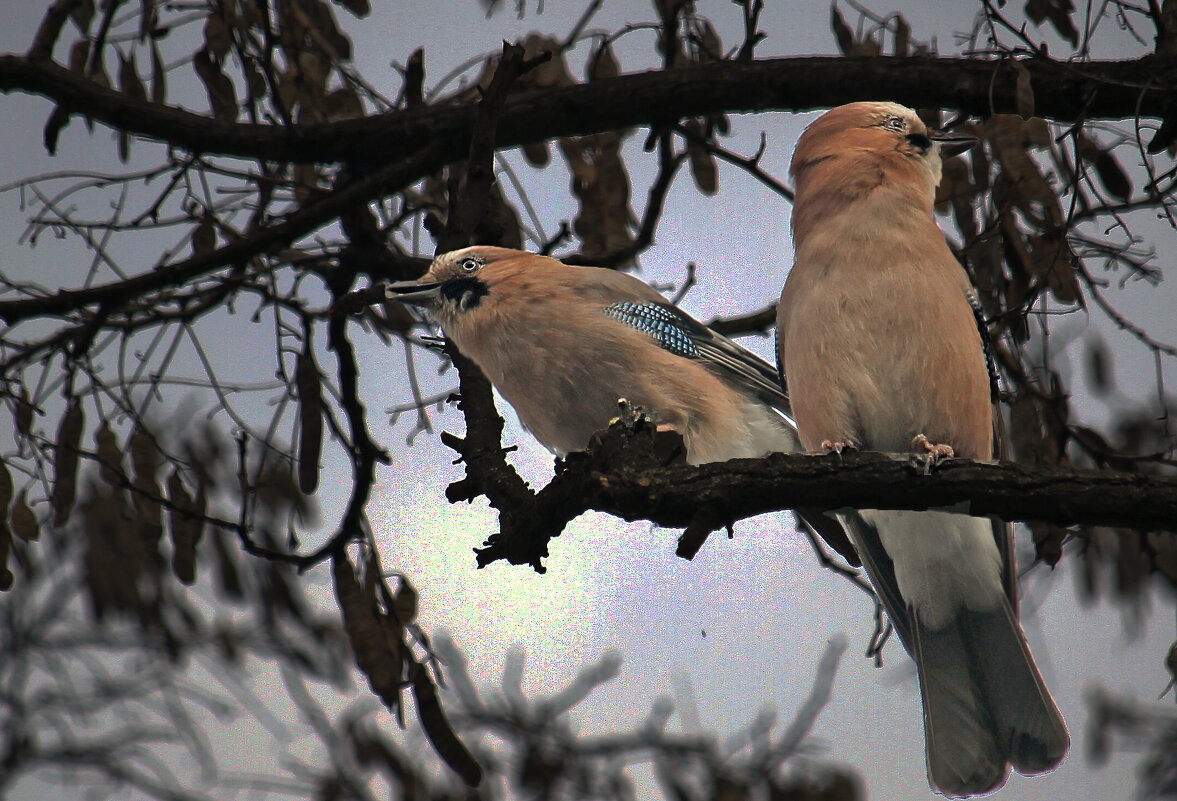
{"x":877,"y":152}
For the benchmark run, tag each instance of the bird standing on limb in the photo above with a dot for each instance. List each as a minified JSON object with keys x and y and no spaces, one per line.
{"x":562,"y":344}
{"x":885,"y":350}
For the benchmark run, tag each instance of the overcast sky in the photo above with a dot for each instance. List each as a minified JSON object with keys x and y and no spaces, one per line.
{"x":745,"y":623}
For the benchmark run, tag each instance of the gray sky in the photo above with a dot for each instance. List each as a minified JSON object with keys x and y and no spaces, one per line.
{"x":746,"y":622}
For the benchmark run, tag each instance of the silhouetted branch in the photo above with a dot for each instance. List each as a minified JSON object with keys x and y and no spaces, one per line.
{"x":970,"y":86}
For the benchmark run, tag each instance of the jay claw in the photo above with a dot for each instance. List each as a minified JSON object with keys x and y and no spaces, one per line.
{"x":838,"y":446}
{"x":928,"y":454}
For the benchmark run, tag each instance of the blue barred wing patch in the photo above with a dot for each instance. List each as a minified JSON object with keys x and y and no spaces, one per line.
{"x":659,"y":322}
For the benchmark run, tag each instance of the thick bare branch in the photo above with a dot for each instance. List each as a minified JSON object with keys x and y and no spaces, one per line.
{"x":1064,"y":91}
{"x":623,"y":478}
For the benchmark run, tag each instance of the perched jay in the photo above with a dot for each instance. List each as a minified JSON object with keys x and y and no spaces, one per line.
{"x":562,"y":344}
{"x":884,"y":349}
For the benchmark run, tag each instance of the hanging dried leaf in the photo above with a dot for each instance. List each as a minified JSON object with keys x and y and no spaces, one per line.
{"x":81,"y":12}
{"x":361,"y":8}
{"x":601,"y":184}
{"x":1023,"y":184}
{"x":229,"y":581}
{"x":218,"y":38}
{"x":1059,"y":14}
{"x":343,"y":104}
{"x":79,"y":53}
{"x":1097,"y":358}
{"x":438,"y":729}
{"x":221,"y":95}
{"x":1053,"y":261}
{"x":6,"y":489}
{"x":374,"y":658}
{"x":159,"y":79}
{"x":405,"y":605}
{"x":65,"y":476}
{"x":603,"y":64}
{"x":24,"y":522}
{"x":1132,"y":563}
{"x":902,"y":35}
{"x":23,"y":416}
{"x":704,"y":167}
{"x":310,"y":419}
{"x":1110,"y":173}
{"x":204,"y":236}
{"x":710,"y":45}
{"x":145,"y":461}
{"x":306,"y":182}
{"x":6,"y":577}
{"x":185,"y":528}
{"x":110,"y":455}
{"x":842,"y":31}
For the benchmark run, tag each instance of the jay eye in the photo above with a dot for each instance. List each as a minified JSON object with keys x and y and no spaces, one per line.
{"x":469,"y":265}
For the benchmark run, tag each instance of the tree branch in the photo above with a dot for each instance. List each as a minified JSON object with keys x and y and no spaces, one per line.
{"x":1123,"y":90}
{"x":626,"y":474}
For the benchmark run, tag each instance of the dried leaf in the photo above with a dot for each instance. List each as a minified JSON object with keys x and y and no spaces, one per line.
{"x":58,"y":119}
{"x":1023,"y":184}
{"x":554,"y":71}
{"x":1059,"y":14}
{"x":185,"y":528}
{"x":110,"y":455}
{"x":603,"y":64}
{"x":23,"y":417}
{"x":368,"y":642}
{"x":306,"y":181}
{"x":710,"y":45}
{"x":65,"y":476}
{"x":1097,"y":358}
{"x":159,"y":78}
{"x":79,"y":52}
{"x":1110,"y":173}
{"x":902,"y":35}
{"x":343,"y":104}
{"x":221,"y":95}
{"x":1132,"y":563}
{"x":6,"y":489}
{"x":24,"y":522}
{"x":229,"y":581}
{"x":361,"y":8}
{"x":438,"y":729}
{"x":601,"y":184}
{"x":704,"y":167}
{"x":82,"y":14}
{"x":204,"y":236}
{"x":145,"y":461}
{"x":1023,"y":91}
{"x":218,"y":38}
{"x":842,"y":31}
{"x":6,"y":577}
{"x":405,"y":605}
{"x":310,"y":420}
{"x":538,"y":154}
{"x":1053,"y":261}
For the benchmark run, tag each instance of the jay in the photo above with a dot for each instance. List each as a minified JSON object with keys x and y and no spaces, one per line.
{"x":562,"y":344}
{"x":885,"y":349}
